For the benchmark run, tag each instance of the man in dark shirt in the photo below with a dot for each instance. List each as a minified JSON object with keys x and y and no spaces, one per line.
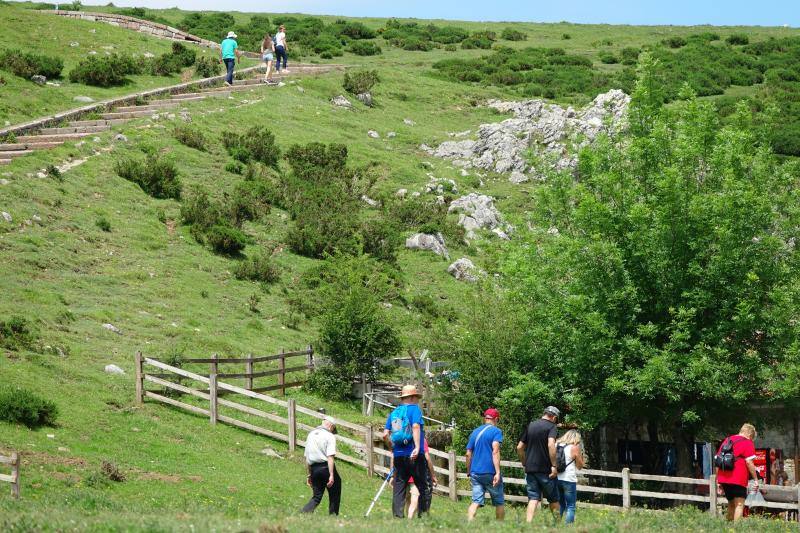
{"x":537,"y":452}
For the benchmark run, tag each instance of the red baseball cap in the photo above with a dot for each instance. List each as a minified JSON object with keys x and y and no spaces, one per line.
{"x":491,"y":413}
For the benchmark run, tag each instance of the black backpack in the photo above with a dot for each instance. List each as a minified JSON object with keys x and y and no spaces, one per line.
{"x":561,"y":458}
{"x":725,"y":459}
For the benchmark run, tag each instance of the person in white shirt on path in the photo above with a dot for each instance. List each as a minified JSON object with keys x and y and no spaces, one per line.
{"x":568,"y":479}
{"x":281,"y":49}
{"x":322,"y":474}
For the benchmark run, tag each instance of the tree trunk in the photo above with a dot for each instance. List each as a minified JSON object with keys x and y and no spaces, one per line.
{"x":654,"y":452}
{"x":684,"y":454}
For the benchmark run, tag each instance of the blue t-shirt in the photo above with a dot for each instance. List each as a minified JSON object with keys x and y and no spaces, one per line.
{"x":482,"y":448}
{"x":229,"y":47}
{"x":414,"y":414}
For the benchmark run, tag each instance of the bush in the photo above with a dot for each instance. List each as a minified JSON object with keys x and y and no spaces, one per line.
{"x":103,"y":223}
{"x":363,"y":48}
{"x":675,"y":42}
{"x":360,"y":81}
{"x":207,"y":67}
{"x":566,"y":36}
{"x":249,"y":201}
{"x":630,"y":55}
{"x":353,"y":30}
{"x":17,"y":333}
{"x":738,"y":39}
{"x":477,"y":40}
{"x":257,"y":268}
{"x":105,"y":71}
{"x":184,"y":56}
{"x":25,"y":64}
{"x":380,"y":238}
{"x":199,"y":211}
{"x":256,"y":144}
{"x":225,"y":239}
{"x":21,"y":406}
{"x":450,"y":48}
{"x":510,"y":34}
{"x":156,"y":175}
{"x":608,"y":58}
{"x":190,"y":136}
{"x":327,"y":382}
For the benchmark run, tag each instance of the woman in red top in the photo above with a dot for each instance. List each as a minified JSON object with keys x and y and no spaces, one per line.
{"x":734,"y":482}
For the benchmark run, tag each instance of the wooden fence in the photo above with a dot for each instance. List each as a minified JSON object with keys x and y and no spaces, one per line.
{"x":14,"y":462}
{"x":362,"y":446}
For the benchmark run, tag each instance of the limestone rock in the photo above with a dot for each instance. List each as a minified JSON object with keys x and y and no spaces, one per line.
{"x":4,"y":181}
{"x":477,"y":212}
{"x":401,"y":193}
{"x":463,"y":270}
{"x":426,"y":241}
{"x":112,"y":328}
{"x":84,"y":99}
{"x":374,"y":134}
{"x":38,"y":79}
{"x":149,"y":55}
{"x":441,"y":186}
{"x":114,"y":369}
{"x":74,"y":44}
{"x":365,"y":98}
{"x":341,"y":101}
{"x":6,"y":216}
{"x":409,"y":122}
{"x":369,"y":201}
{"x":269,"y":452}
{"x":119,"y":137}
{"x":391,"y":135}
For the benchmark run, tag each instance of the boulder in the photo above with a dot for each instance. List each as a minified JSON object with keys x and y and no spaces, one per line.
{"x":6,"y":216}
{"x":38,"y":79}
{"x":374,"y":134}
{"x":149,"y":55}
{"x":463,"y":270}
{"x":365,"y":98}
{"x":120,"y":138}
{"x":409,"y":122}
{"x":369,"y":201}
{"x":477,"y":212}
{"x":84,"y":99}
{"x":4,"y":181}
{"x":426,"y":241}
{"x":74,"y":44}
{"x":112,"y":328}
{"x":114,"y":369}
{"x":441,"y":186}
{"x":401,"y":193}
{"x":341,"y":101}
{"x":391,"y":135}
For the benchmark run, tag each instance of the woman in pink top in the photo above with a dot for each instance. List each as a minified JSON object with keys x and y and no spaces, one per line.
{"x":734,"y":482}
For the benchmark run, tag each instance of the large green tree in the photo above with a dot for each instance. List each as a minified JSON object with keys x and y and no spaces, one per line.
{"x":662,"y":285}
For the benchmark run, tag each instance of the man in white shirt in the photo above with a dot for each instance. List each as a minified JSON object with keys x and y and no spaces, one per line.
{"x":322,"y":474}
{"x":280,"y":49}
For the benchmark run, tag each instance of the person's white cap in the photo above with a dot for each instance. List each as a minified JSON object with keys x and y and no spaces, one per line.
{"x":330,"y":420}
{"x":231,"y":35}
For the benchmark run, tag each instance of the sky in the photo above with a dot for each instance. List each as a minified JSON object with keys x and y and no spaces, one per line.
{"x":677,"y":12}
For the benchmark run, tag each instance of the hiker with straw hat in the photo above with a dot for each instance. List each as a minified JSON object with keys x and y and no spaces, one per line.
{"x":404,"y":433}
{"x":322,"y":474}
{"x":229,"y":53}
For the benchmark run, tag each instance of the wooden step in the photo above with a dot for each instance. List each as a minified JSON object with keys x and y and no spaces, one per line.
{"x":148,"y":107}
{"x":19,"y":147}
{"x":16,"y":153}
{"x":98,"y":122}
{"x":73,"y":129}
{"x":189,"y":96}
{"x":63,"y":137}
{"x":129,"y":114}
{"x":4,"y":161}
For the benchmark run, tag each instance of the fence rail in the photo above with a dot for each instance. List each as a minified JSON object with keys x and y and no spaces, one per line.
{"x":359,"y":447}
{"x":14,"y":462}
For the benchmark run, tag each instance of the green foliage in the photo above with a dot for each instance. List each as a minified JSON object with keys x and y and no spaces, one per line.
{"x":21,"y":406}
{"x":566,"y":36}
{"x":608,"y":58}
{"x":483,"y":40}
{"x":738,"y":39}
{"x":212,"y":26}
{"x":225,"y":239}
{"x":103,"y":223}
{"x":54,"y":173}
{"x":156,"y":175}
{"x":380,"y":238}
{"x":26,"y":64}
{"x":629,"y":55}
{"x":256,"y":144}
{"x":360,"y":81}
{"x":426,"y":216}
{"x":190,"y":136}
{"x":249,"y":200}
{"x":450,"y":48}
{"x":105,"y":71}
{"x":675,"y":42}
{"x":207,"y":67}
{"x":172,"y":62}
{"x":259,"y":267}
{"x":142,"y":13}
{"x":412,"y":36}
{"x":510,"y":34}
{"x":350,"y":29}
{"x":17,"y":333}
{"x":361,"y":48}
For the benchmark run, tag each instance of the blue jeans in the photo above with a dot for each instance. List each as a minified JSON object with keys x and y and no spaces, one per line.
{"x":481,"y":484}
{"x":280,"y":52}
{"x":229,"y":62}
{"x":568,"y":495}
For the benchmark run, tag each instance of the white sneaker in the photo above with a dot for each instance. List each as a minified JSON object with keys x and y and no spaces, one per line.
{"x":285,"y":71}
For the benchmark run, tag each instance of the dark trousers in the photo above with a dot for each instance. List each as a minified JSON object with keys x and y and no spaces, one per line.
{"x":280,"y":52}
{"x":319,"y":482}
{"x":229,"y":66}
{"x":404,"y":468}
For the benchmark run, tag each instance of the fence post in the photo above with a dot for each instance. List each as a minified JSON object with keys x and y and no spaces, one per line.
{"x":310,"y":357}
{"x":368,"y":441}
{"x":249,"y":370}
{"x":452,"y":475}
{"x":798,"y":496}
{"x":712,"y":495}
{"x":282,"y":375}
{"x":213,"y":368}
{"x":139,"y":379}
{"x":364,"y":405}
{"x":212,"y":393}
{"x":292,"y":416}
{"x":15,"y":461}
{"x":626,"y":488}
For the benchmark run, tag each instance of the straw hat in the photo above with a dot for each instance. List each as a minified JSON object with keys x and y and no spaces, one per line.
{"x":231,"y":35}
{"x":409,"y":390}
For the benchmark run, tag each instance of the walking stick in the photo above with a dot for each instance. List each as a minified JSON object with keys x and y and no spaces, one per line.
{"x":380,"y":491}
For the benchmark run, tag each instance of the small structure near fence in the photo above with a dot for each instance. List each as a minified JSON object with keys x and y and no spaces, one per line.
{"x":13,"y":461}
{"x":358,"y":445}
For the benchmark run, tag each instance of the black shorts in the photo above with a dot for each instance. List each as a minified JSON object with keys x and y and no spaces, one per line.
{"x":734,"y":491}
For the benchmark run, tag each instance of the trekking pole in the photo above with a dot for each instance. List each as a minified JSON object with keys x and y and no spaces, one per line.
{"x":380,"y":491}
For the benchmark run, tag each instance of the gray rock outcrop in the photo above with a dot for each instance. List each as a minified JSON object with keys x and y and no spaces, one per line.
{"x":341,"y":101}
{"x":426,"y":241}
{"x":552,"y":133}
{"x":38,"y":79}
{"x":463,"y":270}
{"x":365,"y":98}
{"x":114,"y":369}
{"x":477,"y":211}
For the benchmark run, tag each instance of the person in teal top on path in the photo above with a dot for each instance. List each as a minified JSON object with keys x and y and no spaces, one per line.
{"x":229,"y":54}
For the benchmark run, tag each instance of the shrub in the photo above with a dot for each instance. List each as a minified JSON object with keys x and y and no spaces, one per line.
{"x":257,"y":268}
{"x":225,"y":239}
{"x":207,"y":67}
{"x":675,"y":42}
{"x":17,"y":333}
{"x":249,"y":201}
{"x":25,"y":64}
{"x":353,"y":30}
{"x":199,"y":211}
{"x":103,"y":223}
{"x":327,"y":382}
{"x":510,"y":34}
{"x":447,"y":34}
{"x":256,"y":144}
{"x":190,"y":136}
{"x":704,"y":37}
{"x":104,"y":71}
{"x":53,"y":172}
{"x":363,"y":48}
{"x":184,"y":56}
{"x":450,"y":48}
{"x":380,"y":238}
{"x":156,"y":175}
{"x":608,"y":58}
{"x":566,"y":36}
{"x":360,"y":81}
{"x":630,"y":55}
{"x":21,"y":406}
{"x":414,"y":44}
{"x":480,"y":40}
{"x":738,"y":39}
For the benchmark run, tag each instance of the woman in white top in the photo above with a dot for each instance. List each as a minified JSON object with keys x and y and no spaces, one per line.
{"x":568,"y":479}
{"x":281,"y":49}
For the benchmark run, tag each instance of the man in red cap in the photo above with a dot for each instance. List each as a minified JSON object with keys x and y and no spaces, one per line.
{"x":483,"y":465}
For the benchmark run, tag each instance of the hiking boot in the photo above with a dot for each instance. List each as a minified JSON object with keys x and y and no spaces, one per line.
{"x":228,"y":84}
